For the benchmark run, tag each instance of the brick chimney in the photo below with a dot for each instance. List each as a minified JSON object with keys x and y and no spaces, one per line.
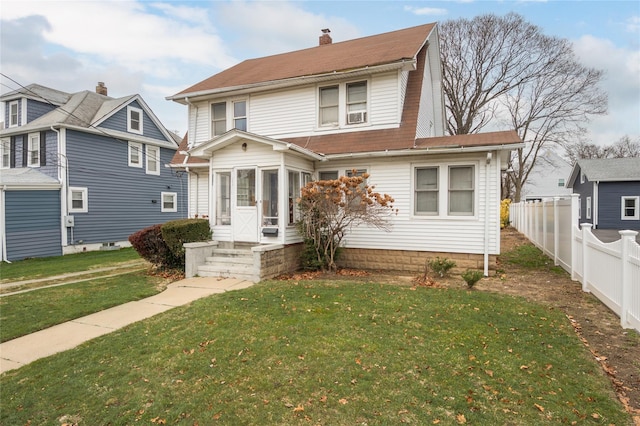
{"x":101,"y":89}
{"x":325,"y":38}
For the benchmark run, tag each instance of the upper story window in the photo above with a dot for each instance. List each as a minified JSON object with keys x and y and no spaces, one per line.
{"x":33,"y":150}
{"x":329,"y":106}
{"x":219,"y":118}
{"x":134,"y":120}
{"x":135,"y":154}
{"x":13,"y":114}
{"x":240,"y":115}
{"x":561,"y":182}
{"x":5,"y":154}
{"x":630,"y":208}
{"x":153,"y":160}
{"x":357,"y":102}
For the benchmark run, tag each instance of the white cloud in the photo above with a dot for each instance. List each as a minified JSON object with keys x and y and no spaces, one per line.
{"x":428,"y":11}
{"x":633,"y":24}
{"x":622,"y":67}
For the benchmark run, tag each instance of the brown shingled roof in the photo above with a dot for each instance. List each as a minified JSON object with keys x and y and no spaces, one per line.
{"x":178,"y":158}
{"x":353,"y":54}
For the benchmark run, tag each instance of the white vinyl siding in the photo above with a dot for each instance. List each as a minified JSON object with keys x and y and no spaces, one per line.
{"x":153,"y":160}
{"x":282,"y":113}
{"x":384,"y":107}
{"x":135,"y":154}
{"x":78,"y":200}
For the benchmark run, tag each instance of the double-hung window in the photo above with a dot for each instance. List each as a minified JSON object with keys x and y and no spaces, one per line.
{"x":134,"y":120}
{"x":78,"y":200}
{"x":13,"y":114}
{"x":169,"y":202}
{"x":588,"y":207}
{"x":33,"y":150}
{"x":218,"y":118}
{"x":426,"y":190}
{"x":135,"y":154}
{"x":240,"y":115}
{"x":461,"y":190}
{"x":630,"y":207}
{"x":329,"y":106}
{"x":294,"y":193}
{"x":153,"y":160}
{"x":5,"y":154}
{"x":357,"y":102}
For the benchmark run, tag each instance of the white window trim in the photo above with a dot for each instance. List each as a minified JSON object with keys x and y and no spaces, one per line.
{"x":174,"y":209}
{"x":31,"y":148}
{"x":155,"y":157}
{"x":414,"y":191}
{"x":85,"y":199}
{"x":636,"y":216}
{"x":5,"y":149}
{"x":17,"y":116}
{"x":138,"y":146}
{"x":139,"y":131}
{"x":443,"y":191}
{"x":231,"y":106}
{"x":226,"y":117}
{"x":342,"y":105}
{"x":588,"y":207}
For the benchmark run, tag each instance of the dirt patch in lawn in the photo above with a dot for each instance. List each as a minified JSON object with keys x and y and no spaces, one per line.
{"x":616,"y":349}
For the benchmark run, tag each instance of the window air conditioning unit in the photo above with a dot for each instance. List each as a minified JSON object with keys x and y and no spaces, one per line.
{"x":356,"y":117}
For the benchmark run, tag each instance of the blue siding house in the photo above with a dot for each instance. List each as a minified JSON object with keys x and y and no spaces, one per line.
{"x":82,"y":171}
{"x":609,"y":192}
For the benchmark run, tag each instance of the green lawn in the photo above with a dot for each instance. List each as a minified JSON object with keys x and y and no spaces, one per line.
{"x":57,"y":265}
{"x":311,"y":353}
{"x":25,"y":313}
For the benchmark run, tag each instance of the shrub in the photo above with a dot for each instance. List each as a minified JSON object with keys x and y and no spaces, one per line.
{"x":150,"y":245}
{"x":472,"y":276}
{"x":441,"y":266}
{"x":504,"y":212}
{"x":177,"y":232}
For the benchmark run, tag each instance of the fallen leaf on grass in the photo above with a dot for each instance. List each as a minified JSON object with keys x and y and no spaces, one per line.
{"x":461,"y":419}
{"x":343,"y":401}
{"x":298,"y":409}
{"x":539,"y":407}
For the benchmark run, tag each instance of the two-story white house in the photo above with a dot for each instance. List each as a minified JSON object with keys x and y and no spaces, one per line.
{"x":262,"y":129}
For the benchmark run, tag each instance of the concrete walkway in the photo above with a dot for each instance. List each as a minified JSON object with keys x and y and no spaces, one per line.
{"x":23,"y":350}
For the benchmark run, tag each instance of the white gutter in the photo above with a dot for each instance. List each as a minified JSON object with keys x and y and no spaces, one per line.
{"x":423,"y":151}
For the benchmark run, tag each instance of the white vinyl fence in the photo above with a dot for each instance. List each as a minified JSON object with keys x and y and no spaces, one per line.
{"x":611,"y":271}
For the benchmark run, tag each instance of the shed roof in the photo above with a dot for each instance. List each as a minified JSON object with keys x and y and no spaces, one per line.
{"x":25,"y":177}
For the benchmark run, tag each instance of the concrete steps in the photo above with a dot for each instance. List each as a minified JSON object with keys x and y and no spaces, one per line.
{"x":229,"y":263}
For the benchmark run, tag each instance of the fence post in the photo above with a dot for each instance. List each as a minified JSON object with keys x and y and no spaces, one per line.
{"x":586,"y":229}
{"x":544,"y":226}
{"x":556,"y":234}
{"x":535,"y":223}
{"x":574,"y":228}
{"x":628,"y":237}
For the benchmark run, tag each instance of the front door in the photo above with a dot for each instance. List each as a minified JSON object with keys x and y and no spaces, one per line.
{"x":245,"y":218}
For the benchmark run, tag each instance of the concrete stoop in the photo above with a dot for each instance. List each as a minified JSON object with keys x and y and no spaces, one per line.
{"x":229,"y":263}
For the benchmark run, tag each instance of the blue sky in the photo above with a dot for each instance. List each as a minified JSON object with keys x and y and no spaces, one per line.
{"x":158,"y":48}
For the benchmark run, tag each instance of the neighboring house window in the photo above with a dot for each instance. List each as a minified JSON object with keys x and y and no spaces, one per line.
{"x":328,"y":175}
{"x":5,"y":154}
{"x":426,"y":190}
{"x":240,"y":115}
{"x":329,"y":106}
{"x":561,"y":182}
{"x":223,"y":200}
{"x":294,"y":194}
{"x":153,"y":160}
{"x":219,"y":118}
{"x":579,"y":208}
{"x":461,"y":190}
{"x":582,"y":178}
{"x":630,"y":208}
{"x":134,"y":121}
{"x":169,"y":202}
{"x":78,"y":200}
{"x":588,"y":207}
{"x":357,"y":102}
{"x":33,"y":150}
{"x":13,"y":114}
{"x":135,"y":154}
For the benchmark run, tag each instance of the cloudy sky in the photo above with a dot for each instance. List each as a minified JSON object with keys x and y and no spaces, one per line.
{"x":158,"y":48}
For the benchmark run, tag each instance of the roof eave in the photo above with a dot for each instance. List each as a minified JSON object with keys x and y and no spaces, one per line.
{"x":425,"y":151}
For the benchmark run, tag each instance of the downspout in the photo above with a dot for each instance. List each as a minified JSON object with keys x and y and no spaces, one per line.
{"x":3,"y":248}
{"x":594,"y":204}
{"x":486,"y":213}
{"x":64,"y":194}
